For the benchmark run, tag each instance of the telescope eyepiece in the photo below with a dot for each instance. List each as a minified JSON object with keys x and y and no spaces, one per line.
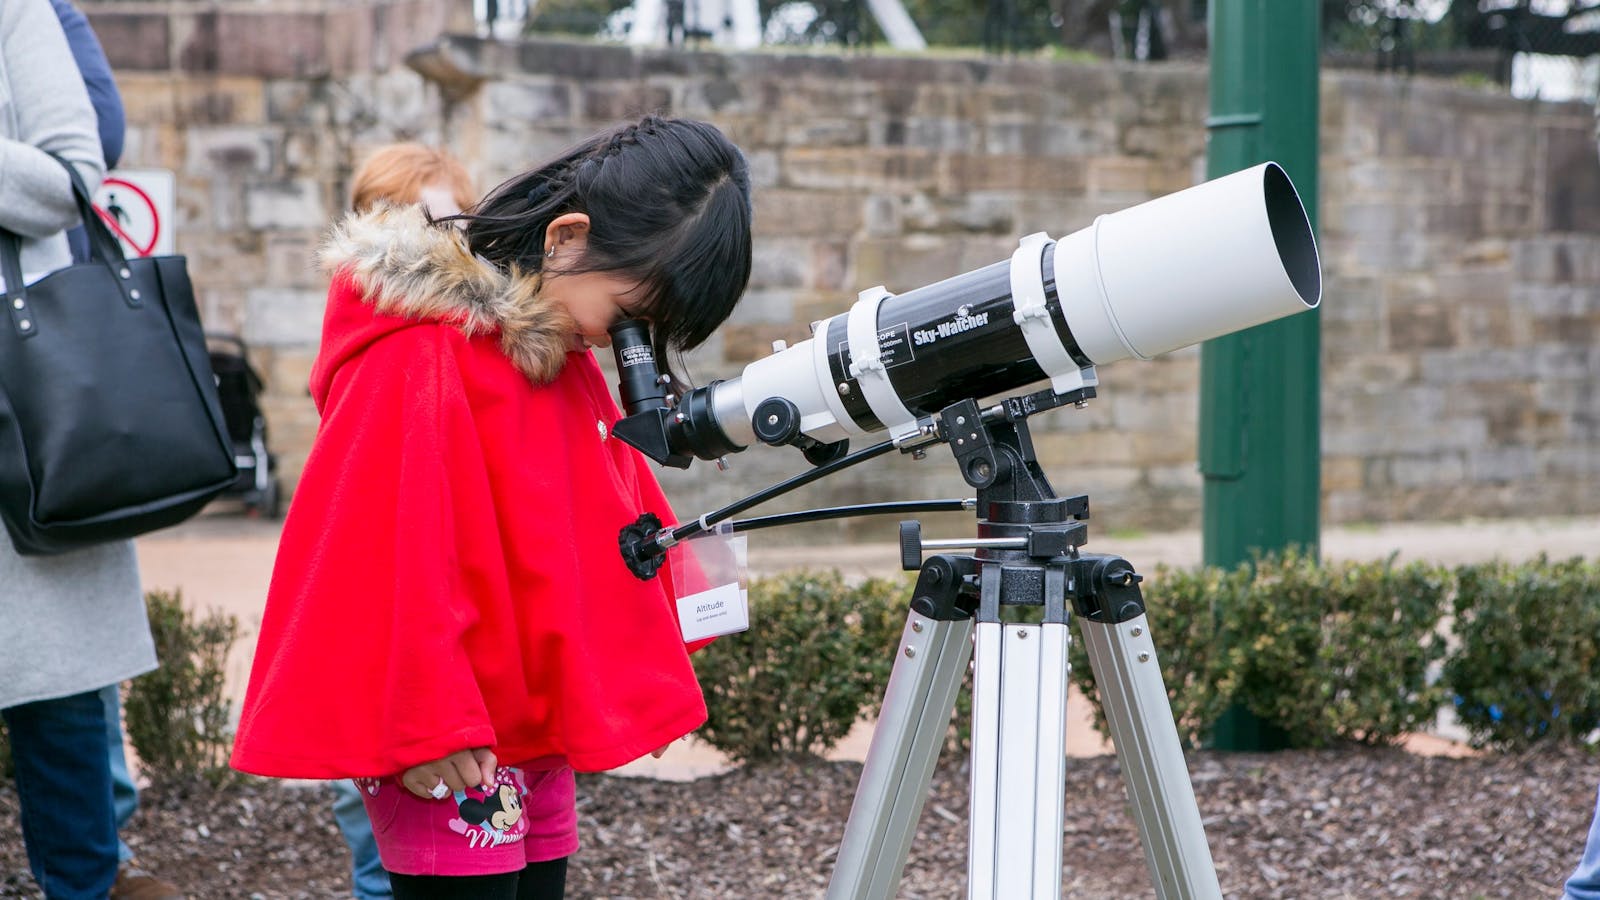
{"x":638,"y":377}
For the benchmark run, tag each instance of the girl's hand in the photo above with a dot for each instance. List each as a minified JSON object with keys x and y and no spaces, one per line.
{"x":457,"y":772}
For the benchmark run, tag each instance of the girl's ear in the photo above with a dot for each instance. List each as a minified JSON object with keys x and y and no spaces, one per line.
{"x":566,"y":232}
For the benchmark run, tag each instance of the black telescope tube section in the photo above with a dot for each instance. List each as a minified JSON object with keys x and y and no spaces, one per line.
{"x":694,"y":428}
{"x":1291,"y":233}
{"x":948,"y":341}
{"x":638,"y":379}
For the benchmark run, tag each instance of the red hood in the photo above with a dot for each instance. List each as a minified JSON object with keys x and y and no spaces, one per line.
{"x":448,"y":575}
{"x":412,"y":271}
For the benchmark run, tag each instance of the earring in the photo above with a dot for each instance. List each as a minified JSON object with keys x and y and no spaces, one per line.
{"x":550,"y":252}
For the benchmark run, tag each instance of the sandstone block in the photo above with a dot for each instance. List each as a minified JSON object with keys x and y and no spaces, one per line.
{"x":858,"y":168}
{"x":807,"y":213}
{"x":283,"y":317}
{"x":1421,"y":326}
{"x":291,"y":260}
{"x":233,"y":150}
{"x":290,"y":204}
{"x":615,"y":102}
{"x":764,"y":307}
{"x":541,"y":102}
{"x":133,"y":41}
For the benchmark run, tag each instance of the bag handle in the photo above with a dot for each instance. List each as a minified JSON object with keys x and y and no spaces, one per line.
{"x":103,"y":245}
{"x":103,"y":249}
{"x":22,"y":320}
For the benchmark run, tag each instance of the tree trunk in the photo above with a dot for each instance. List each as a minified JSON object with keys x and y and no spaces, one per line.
{"x":1084,"y":22}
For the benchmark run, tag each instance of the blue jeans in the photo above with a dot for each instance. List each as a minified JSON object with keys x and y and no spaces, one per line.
{"x":124,"y":796}
{"x":367,"y":876}
{"x":1585,"y":881}
{"x":64,"y":790}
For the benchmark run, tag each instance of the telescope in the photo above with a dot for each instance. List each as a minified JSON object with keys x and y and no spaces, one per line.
{"x":1194,"y":265}
{"x":1178,"y":270}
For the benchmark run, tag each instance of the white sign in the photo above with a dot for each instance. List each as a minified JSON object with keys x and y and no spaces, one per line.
{"x":137,"y":205}
{"x":719,"y":611}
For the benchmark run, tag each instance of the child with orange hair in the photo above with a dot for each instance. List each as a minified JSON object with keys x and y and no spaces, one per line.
{"x":412,"y":173}
{"x":397,"y":174}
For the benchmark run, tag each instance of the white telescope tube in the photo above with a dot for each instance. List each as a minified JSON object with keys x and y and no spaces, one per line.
{"x":1188,"y":267}
{"x":799,"y":374}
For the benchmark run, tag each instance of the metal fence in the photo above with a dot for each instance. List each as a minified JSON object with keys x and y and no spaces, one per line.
{"x":1545,"y":49}
{"x":1536,"y":49}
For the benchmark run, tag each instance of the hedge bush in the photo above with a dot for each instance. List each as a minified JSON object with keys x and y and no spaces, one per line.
{"x":816,"y":657}
{"x":178,"y":716}
{"x":1327,"y":654}
{"x":1339,"y":652}
{"x":1528,"y":640}
{"x":1181,"y":611}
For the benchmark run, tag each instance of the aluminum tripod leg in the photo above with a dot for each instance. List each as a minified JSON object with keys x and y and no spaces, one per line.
{"x":917,"y":705}
{"x":1157,"y":778}
{"x":1019,"y":733}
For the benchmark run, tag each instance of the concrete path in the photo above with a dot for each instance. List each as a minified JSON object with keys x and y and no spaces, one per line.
{"x":223,"y":561}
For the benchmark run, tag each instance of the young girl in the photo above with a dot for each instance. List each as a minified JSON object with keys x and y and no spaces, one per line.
{"x":450,"y":618}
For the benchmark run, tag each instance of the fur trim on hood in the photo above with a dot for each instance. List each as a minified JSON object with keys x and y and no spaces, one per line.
{"x":405,"y":266}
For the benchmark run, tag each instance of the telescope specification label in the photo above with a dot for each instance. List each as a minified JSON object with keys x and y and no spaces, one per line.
{"x":637,"y":355}
{"x":894,"y":348}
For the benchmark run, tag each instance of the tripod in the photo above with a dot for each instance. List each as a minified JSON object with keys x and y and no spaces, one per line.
{"x":1026,"y":554}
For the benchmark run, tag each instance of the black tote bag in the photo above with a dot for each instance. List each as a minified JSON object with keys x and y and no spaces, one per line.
{"x":110,"y":425}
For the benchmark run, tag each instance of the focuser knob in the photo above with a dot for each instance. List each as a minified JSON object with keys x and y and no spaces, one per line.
{"x":776,"y":421}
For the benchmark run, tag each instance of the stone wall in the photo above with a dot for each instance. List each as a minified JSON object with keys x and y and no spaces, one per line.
{"x":1460,"y":232}
{"x":1461,"y":243}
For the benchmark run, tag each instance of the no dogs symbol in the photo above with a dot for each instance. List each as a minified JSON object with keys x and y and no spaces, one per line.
{"x":136,"y":204}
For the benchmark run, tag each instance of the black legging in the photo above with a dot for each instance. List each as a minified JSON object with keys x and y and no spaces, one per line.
{"x":539,"y":881}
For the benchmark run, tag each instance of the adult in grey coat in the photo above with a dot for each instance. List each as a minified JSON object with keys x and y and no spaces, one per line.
{"x":73,"y":623}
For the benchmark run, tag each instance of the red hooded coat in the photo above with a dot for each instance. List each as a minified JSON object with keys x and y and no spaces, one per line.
{"x":448,"y":575}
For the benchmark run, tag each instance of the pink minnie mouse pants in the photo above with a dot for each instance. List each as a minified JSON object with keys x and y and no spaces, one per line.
{"x":526,"y":816}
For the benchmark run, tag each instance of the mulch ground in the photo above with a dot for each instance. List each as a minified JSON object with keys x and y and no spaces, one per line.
{"x":1350,"y":823}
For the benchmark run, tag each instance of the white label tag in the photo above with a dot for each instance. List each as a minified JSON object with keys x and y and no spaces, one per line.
{"x":724,"y":609}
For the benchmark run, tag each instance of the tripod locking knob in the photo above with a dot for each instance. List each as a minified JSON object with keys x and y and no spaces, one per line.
{"x":1107,"y":589}
{"x":910,"y":545}
{"x":1123,"y":577}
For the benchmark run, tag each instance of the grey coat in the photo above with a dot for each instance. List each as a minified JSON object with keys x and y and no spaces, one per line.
{"x":75,"y":622}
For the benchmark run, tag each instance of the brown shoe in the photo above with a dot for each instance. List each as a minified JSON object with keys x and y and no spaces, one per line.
{"x":134,"y":883}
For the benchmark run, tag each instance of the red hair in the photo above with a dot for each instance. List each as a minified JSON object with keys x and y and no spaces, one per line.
{"x":398,"y":173}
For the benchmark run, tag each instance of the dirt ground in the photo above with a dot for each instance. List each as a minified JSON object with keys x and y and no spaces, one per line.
{"x":1334,"y":824}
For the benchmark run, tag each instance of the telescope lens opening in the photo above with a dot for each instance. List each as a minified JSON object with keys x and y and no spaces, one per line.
{"x":1291,"y":232}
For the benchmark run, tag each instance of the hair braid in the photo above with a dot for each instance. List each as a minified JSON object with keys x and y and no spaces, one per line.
{"x":669,"y":207}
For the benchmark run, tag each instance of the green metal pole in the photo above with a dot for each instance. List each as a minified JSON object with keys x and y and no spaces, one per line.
{"x":1259,"y":406}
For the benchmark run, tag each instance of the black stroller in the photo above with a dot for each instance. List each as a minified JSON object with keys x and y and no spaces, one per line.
{"x":238,"y":386}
